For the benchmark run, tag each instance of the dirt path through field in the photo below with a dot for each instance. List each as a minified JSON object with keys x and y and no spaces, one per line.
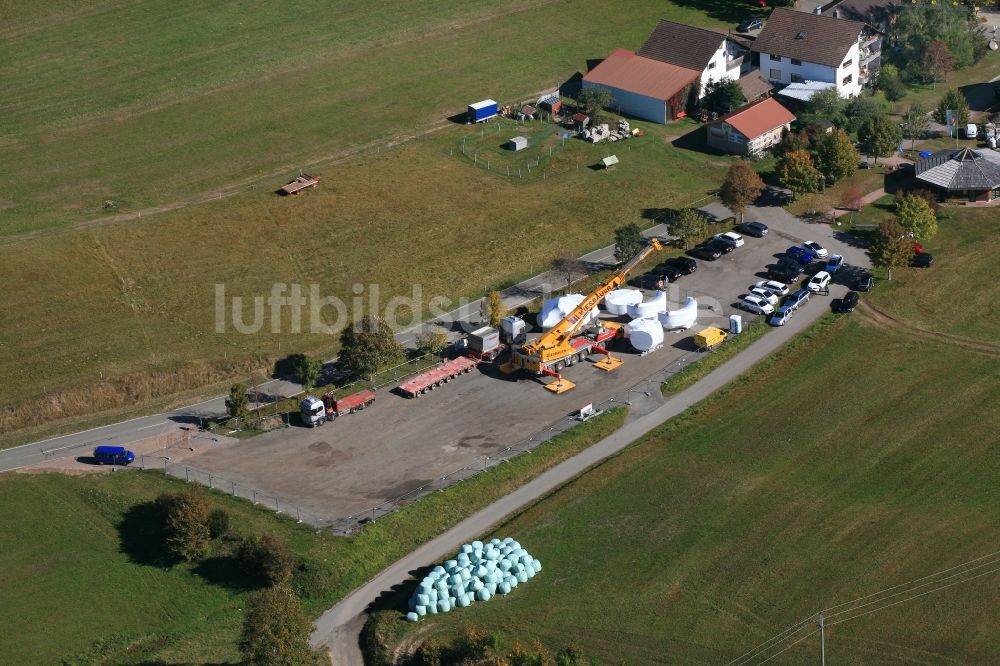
{"x":880,"y":319}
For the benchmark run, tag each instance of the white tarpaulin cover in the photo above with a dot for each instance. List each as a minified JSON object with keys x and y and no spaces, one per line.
{"x":617,"y":301}
{"x":645,"y":334}
{"x":684,"y":317}
{"x":650,"y":308}
{"x":554,"y":309}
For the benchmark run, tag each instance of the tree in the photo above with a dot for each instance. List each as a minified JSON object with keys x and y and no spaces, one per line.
{"x":890,"y":83}
{"x":493,"y":309}
{"x":879,"y":137}
{"x":218,"y":523}
{"x":836,"y":155}
{"x":937,"y":61}
{"x":917,"y":217}
{"x":688,"y":225}
{"x":238,"y":404}
{"x":628,"y":241}
{"x":792,"y":141}
{"x":741,"y":187}
{"x":915,"y":123}
{"x":265,"y":559}
{"x":594,"y":100}
{"x":890,"y":247}
{"x":431,"y":342}
{"x":853,"y":199}
{"x":307,"y":370}
{"x":569,"y":267}
{"x":826,"y":105}
{"x":955,"y":102}
{"x":185,"y":524}
{"x":276,"y":630}
{"x":722,"y":97}
{"x":367,"y":346}
{"x":860,"y":109}
{"x":797,"y":173}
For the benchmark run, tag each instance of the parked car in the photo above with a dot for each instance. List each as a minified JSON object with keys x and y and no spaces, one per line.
{"x":764,"y":294}
{"x":971,"y":131}
{"x":730,"y":237}
{"x":820,"y":251}
{"x":781,"y":317}
{"x":755,"y":229}
{"x":819,"y":282}
{"x":850,"y":301}
{"x":783,"y":273}
{"x":776,"y":288}
{"x":834,"y":264}
{"x":923,"y":260}
{"x":706,"y":252}
{"x":918,"y":248}
{"x":670,"y":273}
{"x":723,"y":246}
{"x":792,"y":265}
{"x":651,"y":280}
{"x":756,"y":304}
{"x":801,"y":254}
{"x":685,"y":264}
{"x":750,"y":25}
{"x":113,"y":455}
{"x":865,"y":283}
{"x":797,"y":299}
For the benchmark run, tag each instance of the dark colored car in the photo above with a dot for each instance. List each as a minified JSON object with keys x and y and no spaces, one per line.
{"x":113,"y":455}
{"x":706,"y":252}
{"x":784,"y":274}
{"x":687,"y":265}
{"x":755,"y":229}
{"x":850,"y":301}
{"x":865,"y":283}
{"x":721,"y":245}
{"x":801,"y":254}
{"x":922,"y":260}
{"x":652,"y":280}
{"x":791,"y":265}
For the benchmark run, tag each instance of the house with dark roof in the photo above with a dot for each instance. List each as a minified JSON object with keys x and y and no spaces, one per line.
{"x":755,"y":86}
{"x":642,"y":87}
{"x":752,"y":130}
{"x":714,"y":54}
{"x":876,"y":13}
{"x":973,"y":175}
{"x":796,"y":47}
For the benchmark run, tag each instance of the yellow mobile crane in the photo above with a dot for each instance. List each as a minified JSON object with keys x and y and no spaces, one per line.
{"x":558,"y":348}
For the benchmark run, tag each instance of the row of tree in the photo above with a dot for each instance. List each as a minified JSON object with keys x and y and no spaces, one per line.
{"x":915,"y":220}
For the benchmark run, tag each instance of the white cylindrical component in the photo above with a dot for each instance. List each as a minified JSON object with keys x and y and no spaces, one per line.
{"x":617,"y":301}
{"x":683,"y":317}
{"x":645,"y":334}
{"x":553,"y":310}
{"x":650,"y":308}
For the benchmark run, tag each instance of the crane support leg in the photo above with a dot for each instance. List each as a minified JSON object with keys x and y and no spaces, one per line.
{"x":609,"y":362}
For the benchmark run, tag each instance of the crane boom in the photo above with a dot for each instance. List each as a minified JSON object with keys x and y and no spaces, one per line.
{"x":560,"y":334}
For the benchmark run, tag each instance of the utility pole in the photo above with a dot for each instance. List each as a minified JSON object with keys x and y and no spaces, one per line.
{"x":822,"y":640}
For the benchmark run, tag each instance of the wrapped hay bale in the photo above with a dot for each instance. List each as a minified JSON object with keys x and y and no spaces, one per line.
{"x":422,"y":599}
{"x":492,"y":587}
{"x":522,"y":577}
{"x":432,"y":609}
{"x":504,"y":588}
{"x":420,"y":611}
{"x":463,"y":601}
{"x":443,"y":606}
{"x":537,"y":565}
{"x":464,"y":573}
{"x":483,"y":594}
{"x":412,"y":617}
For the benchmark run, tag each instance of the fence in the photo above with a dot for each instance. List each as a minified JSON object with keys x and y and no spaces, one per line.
{"x":644,"y":395}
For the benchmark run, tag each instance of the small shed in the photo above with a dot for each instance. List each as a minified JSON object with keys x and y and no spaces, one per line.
{"x":609,"y":161}
{"x":552,"y":104}
{"x":580,"y":121}
{"x":518,"y":143}
{"x":527,"y":112}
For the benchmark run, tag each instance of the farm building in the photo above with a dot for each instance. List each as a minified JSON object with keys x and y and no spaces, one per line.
{"x":973,"y":175}
{"x":751,"y":130}
{"x":643,"y":87}
{"x":715,"y":55}
{"x":552,"y":103}
{"x":755,"y":86}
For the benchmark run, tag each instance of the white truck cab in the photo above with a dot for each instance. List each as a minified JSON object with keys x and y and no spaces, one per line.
{"x":313,"y":411}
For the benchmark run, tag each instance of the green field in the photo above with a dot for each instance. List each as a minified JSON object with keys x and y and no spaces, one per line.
{"x":862,"y":457}
{"x":79,"y":578}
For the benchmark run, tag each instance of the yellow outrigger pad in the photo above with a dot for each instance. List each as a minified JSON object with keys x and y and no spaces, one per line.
{"x":560,"y":386}
{"x":507,"y":368}
{"x":609,"y":363}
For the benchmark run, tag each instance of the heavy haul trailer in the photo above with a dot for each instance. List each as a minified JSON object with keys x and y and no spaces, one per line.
{"x":566,"y":344}
{"x":442,"y":374}
{"x":347,"y":405}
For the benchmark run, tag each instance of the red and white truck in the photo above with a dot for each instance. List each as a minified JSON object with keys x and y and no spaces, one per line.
{"x":316,"y":411}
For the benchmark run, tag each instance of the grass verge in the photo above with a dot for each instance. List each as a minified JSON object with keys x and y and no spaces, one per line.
{"x":691,"y":373}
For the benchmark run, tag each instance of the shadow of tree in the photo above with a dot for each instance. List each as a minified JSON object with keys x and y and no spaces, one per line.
{"x":224,"y":571}
{"x":730,"y":11}
{"x":142,"y":537}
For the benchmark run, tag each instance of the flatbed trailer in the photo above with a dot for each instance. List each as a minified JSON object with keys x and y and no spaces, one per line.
{"x":442,"y":374}
{"x":302,"y":182}
{"x":347,"y":405}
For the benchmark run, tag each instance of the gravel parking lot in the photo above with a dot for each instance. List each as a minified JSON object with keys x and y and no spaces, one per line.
{"x":399,"y":444}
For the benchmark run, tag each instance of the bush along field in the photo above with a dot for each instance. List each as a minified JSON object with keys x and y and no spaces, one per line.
{"x":860,"y":458}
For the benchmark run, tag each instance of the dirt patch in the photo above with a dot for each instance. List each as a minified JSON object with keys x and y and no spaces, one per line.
{"x":880,"y":319}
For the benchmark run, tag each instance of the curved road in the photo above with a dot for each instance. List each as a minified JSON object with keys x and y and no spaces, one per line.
{"x":338,"y":627}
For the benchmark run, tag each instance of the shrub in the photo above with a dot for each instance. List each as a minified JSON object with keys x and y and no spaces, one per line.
{"x":218,"y":523}
{"x":185,"y":522}
{"x":276,"y":630}
{"x":266,"y":559}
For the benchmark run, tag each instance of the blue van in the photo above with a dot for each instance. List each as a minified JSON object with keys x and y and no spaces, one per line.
{"x":113,"y":455}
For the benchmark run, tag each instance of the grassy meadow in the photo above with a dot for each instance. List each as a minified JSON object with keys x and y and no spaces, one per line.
{"x":859,"y":458}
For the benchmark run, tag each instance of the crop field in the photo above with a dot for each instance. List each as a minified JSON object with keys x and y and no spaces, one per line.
{"x":861,"y":458}
{"x":146,"y":112}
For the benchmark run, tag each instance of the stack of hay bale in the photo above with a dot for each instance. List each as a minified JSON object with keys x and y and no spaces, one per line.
{"x":478,"y":572}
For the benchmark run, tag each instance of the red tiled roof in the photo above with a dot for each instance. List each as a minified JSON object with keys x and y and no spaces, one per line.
{"x":754,"y":119}
{"x":652,"y":78}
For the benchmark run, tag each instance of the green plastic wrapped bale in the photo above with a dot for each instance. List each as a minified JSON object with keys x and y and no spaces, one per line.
{"x":412,"y":617}
{"x":456,"y":579}
{"x":491,"y":565}
{"x":450,"y":564}
{"x":504,"y":564}
{"x":423,"y":599}
{"x":440,"y":585}
{"x":504,"y":587}
{"x":466,"y":548}
{"x":492,"y":587}
{"x":437,"y":570}
{"x":443,"y":606}
{"x":477,"y":545}
{"x":511,"y":580}
{"x":432,"y":609}
{"x":537,"y":565}
{"x":420,"y":610}
{"x":522,"y":577}
{"x":529,"y":571}
{"x":480,"y":571}
{"x":494,"y":542}
{"x":464,"y":573}
{"x":483,"y":594}
{"x":462,"y":601}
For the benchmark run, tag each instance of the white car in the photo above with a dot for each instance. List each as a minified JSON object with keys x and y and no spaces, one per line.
{"x":819,"y":282}
{"x":756,"y":304}
{"x":773,"y":286}
{"x":765,"y":294}
{"x":730,"y":237}
{"x":820,"y":251}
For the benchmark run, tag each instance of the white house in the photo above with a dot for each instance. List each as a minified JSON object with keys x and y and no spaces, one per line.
{"x":751,"y":130}
{"x":797,"y":46}
{"x":712,"y":53}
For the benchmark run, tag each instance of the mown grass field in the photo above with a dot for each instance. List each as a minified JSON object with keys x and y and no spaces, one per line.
{"x":862,"y":457}
{"x":77,"y":575}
